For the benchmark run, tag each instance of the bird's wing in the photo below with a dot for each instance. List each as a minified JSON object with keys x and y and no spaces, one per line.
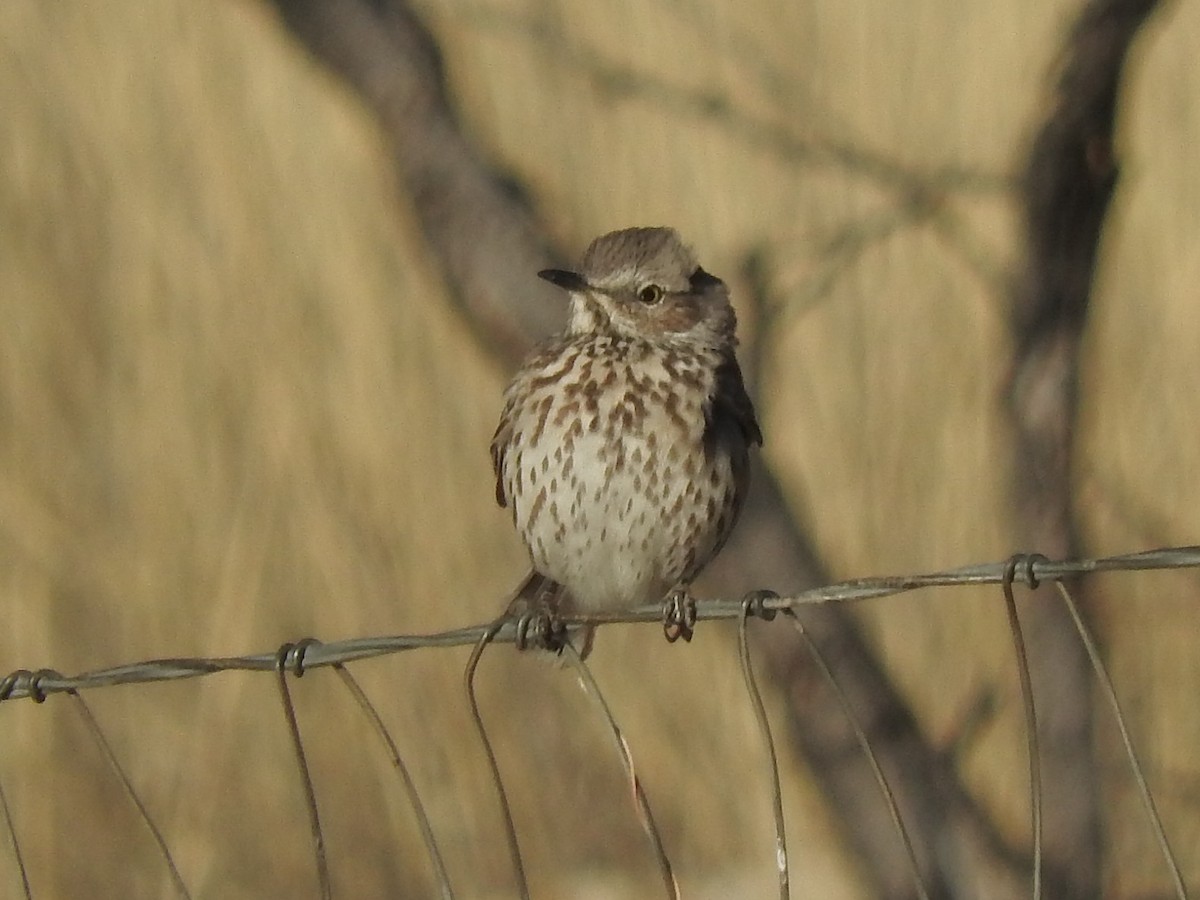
{"x":730,"y":402}
{"x":500,"y":443}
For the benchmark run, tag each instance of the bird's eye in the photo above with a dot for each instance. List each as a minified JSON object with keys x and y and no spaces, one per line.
{"x":650,"y":294}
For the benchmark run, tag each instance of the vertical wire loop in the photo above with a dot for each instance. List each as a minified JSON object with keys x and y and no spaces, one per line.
{"x":1139,"y":776}
{"x":510,"y":830}
{"x":410,"y":787}
{"x":1027,"y":706}
{"x":641,"y":803}
{"x":292,"y":655}
{"x":764,"y":727}
{"x":16,"y":845}
{"x":102,"y":742}
{"x":864,"y":744}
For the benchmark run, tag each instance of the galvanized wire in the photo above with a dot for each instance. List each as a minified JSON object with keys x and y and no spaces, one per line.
{"x":640,"y":802}
{"x":101,"y":741}
{"x":294,"y":658}
{"x":410,"y":788}
{"x":510,"y":828}
{"x":290,"y":658}
{"x":1029,"y":710}
{"x":1110,"y":694}
{"x":753,"y":606}
{"x":864,"y":744}
{"x":16,"y":844}
{"x":41,"y":683}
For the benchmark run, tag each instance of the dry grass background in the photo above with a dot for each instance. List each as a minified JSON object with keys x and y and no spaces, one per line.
{"x":235,"y":409}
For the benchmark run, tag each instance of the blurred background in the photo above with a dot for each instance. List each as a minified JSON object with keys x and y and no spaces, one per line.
{"x":264,"y":271}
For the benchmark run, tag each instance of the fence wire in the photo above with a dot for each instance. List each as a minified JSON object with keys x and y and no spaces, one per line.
{"x":676,"y":618}
{"x":1035,"y":569}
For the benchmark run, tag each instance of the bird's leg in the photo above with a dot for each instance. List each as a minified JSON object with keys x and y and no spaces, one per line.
{"x":549,"y":631}
{"x":679,"y":615}
{"x":535,"y":611}
{"x":540,"y":628}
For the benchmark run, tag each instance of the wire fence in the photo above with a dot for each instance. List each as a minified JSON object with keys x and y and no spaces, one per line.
{"x":677,"y":619}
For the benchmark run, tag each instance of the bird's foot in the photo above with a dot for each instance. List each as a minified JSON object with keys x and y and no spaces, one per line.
{"x":679,"y":615}
{"x":542,"y":629}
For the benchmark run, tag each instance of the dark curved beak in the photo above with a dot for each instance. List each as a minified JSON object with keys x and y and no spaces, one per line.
{"x":570,"y":281}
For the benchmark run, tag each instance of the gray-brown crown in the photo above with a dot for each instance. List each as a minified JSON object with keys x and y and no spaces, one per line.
{"x":646,"y":283}
{"x":656,"y":255}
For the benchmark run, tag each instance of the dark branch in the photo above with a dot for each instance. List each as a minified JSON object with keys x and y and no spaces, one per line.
{"x":489,"y":243}
{"x":1069,"y":180}
{"x":479,"y":224}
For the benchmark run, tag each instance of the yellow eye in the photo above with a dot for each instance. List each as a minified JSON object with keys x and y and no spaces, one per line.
{"x":650,"y":294}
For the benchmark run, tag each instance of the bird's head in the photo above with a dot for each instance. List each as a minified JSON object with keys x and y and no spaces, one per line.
{"x":645,"y":283}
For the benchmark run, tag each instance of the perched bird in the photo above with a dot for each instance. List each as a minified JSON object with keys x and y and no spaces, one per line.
{"x":622,"y":450}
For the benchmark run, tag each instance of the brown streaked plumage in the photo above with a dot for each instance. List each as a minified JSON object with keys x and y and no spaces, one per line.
{"x":622,"y":450}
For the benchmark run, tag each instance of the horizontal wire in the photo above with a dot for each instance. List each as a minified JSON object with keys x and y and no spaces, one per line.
{"x":1032,"y":569}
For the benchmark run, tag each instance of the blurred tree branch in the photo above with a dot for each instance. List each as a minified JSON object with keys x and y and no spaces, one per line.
{"x":488,"y":240}
{"x":782,"y":139}
{"x":1070,"y":175}
{"x":480,"y":226}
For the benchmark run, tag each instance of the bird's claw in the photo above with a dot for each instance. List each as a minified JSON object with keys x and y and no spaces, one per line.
{"x":679,"y":616}
{"x":541,"y":629}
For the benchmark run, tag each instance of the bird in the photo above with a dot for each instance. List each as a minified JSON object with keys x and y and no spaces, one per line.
{"x":622,"y":451}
